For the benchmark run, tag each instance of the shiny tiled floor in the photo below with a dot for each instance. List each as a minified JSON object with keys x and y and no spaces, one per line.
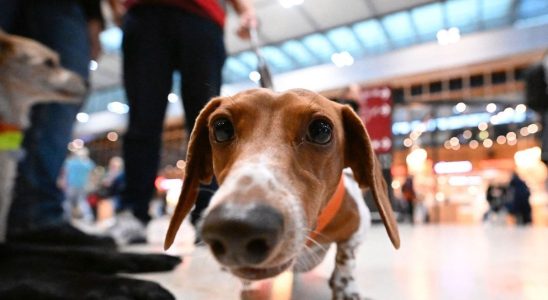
{"x":434,"y":262}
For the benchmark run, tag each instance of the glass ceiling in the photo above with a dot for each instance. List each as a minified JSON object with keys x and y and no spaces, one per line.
{"x":386,"y":33}
{"x":361,"y":39}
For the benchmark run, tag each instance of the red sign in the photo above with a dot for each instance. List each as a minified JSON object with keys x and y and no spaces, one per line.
{"x":376,"y":113}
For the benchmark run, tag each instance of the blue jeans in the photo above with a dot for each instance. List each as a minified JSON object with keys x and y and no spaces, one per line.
{"x":159,"y":40}
{"x":60,"y":25}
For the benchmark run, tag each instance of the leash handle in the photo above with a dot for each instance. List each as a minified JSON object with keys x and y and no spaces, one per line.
{"x":262,"y":67}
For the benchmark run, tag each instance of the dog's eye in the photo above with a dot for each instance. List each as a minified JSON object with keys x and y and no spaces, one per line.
{"x":223,"y":130}
{"x":49,"y":63}
{"x":319,"y":132}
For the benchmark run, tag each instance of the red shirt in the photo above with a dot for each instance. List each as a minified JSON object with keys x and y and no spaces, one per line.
{"x":210,"y":9}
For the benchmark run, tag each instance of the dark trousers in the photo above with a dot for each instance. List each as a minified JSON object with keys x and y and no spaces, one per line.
{"x":60,"y":25}
{"x":159,"y":40}
{"x":411,"y":211}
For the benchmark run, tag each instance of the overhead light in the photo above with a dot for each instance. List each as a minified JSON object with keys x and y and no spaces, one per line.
{"x":467,"y":134}
{"x":290,"y":3}
{"x":172,"y":97}
{"x":448,"y":36}
{"x":501,"y":139}
{"x":527,"y":158}
{"x":533,"y":128}
{"x":460,"y":107}
{"x":112,"y":136}
{"x":449,"y":167}
{"x":78,"y":143}
{"x":416,"y":158}
{"x":118,"y":107}
{"x":93,"y":65}
{"x":342,"y":59}
{"x":82,"y":117}
{"x":408,"y":142}
{"x":255,"y":76}
{"x":491,"y":107}
{"x":473,"y":144}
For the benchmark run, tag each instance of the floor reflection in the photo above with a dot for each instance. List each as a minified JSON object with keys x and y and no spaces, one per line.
{"x":434,"y":262}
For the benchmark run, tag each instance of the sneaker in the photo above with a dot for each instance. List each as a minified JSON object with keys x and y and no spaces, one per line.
{"x":127,"y":230}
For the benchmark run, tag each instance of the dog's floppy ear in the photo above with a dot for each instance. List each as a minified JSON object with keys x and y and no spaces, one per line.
{"x":359,"y":156}
{"x":199,"y":168}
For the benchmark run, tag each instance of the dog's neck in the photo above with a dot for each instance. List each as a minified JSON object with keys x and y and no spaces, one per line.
{"x":7,"y":114}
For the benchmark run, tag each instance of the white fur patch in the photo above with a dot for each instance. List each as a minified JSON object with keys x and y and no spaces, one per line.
{"x":355,"y":192}
{"x":257,"y":172}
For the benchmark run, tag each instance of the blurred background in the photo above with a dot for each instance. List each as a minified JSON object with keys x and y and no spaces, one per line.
{"x":441,"y":86}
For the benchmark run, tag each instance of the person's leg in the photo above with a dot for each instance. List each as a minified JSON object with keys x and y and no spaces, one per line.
{"x":8,"y":14}
{"x":83,"y":205}
{"x":148,"y":79}
{"x":37,"y":199}
{"x":36,"y":214}
{"x":69,"y":203}
{"x":201,"y":58}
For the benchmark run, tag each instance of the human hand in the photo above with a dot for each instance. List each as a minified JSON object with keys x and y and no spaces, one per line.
{"x":248,"y":21}
{"x":118,"y":11}
{"x":94,"y":29}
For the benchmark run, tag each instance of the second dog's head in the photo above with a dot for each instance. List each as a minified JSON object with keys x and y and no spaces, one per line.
{"x":278,"y":158}
{"x":32,"y":73}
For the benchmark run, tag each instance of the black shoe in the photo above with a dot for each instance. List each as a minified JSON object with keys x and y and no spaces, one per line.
{"x":56,"y":235}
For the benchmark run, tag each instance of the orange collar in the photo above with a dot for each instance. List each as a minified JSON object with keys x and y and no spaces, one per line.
{"x":330,"y":210}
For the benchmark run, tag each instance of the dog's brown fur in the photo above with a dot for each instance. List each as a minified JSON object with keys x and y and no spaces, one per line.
{"x":271,"y":161}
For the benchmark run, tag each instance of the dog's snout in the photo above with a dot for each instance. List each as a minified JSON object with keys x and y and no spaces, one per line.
{"x":242,"y":235}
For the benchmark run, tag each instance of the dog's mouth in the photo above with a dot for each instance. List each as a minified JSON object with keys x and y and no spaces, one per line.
{"x":261,"y":273}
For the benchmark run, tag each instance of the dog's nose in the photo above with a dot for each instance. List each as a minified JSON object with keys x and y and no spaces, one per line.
{"x":242,"y":235}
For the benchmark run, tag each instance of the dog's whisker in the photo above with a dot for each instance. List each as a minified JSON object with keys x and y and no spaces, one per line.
{"x":310,"y":258}
{"x":307,"y":237}
{"x":322,"y":247}
{"x":307,"y":260}
{"x":316,"y":233}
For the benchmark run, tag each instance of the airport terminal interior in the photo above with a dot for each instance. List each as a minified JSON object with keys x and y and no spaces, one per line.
{"x":454,"y":97}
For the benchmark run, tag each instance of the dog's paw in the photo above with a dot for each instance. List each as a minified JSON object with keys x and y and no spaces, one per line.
{"x":344,"y":288}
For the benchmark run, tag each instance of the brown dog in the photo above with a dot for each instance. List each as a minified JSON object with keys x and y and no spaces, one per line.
{"x":283,"y":198}
{"x":29,"y":73}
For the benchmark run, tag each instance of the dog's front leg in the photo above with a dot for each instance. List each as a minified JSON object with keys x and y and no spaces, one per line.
{"x":342,"y":282}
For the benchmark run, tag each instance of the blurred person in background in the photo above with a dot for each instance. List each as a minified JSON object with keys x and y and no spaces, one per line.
{"x":75,"y":179}
{"x":113,"y":182}
{"x":160,"y":37}
{"x":494,"y":196}
{"x":71,"y":29}
{"x":410,"y":197}
{"x":518,"y":196}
